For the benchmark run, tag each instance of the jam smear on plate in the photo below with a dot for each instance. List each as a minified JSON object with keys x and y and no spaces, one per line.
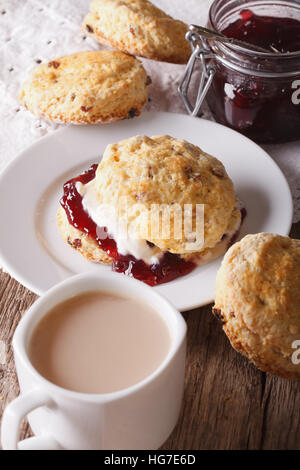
{"x":270,"y":32}
{"x":170,"y":266}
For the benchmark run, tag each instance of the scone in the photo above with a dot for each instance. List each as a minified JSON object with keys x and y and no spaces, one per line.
{"x":80,"y":241}
{"x":87,"y":87}
{"x":138,"y":209}
{"x":258,"y":301}
{"x":138,"y":28}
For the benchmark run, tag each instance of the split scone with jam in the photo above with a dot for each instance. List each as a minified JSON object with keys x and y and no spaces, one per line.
{"x":258,"y":301}
{"x":154,"y":208}
{"x":91,"y":87}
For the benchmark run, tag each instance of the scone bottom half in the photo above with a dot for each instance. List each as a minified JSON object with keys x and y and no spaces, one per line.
{"x":90,"y":87}
{"x":81,"y":232}
{"x":257,"y":300}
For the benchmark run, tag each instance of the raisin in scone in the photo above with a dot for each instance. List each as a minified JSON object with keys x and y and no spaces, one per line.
{"x":138,"y":28}
{"x":136,"y":177}
{"x":87,"y":87}
{"x":258,"y":301}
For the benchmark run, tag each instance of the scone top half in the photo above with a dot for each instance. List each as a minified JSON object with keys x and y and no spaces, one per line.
{"x":87,"y":87}
{"x":140,"y":172}
{"x":258,"y":300}
{"x":139,"y":28}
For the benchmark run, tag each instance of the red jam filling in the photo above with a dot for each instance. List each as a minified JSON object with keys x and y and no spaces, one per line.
{"x":170,"y":266}
{"x":259,"y":107}
{"x":269,"y":32}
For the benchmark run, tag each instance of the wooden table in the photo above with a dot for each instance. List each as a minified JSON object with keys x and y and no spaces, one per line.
{"x":228,"y":404}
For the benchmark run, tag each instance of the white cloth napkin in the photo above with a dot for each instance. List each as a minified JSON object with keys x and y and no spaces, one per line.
{"x":34,"y":30}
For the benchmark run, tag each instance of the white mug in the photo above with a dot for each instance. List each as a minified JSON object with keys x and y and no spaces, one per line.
{"x":139,"y":417}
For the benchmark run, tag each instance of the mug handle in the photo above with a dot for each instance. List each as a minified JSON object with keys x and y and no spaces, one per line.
{"x":12,"y":417}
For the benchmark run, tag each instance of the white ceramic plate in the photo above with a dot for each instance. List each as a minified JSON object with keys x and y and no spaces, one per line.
{"x":31,"y":249}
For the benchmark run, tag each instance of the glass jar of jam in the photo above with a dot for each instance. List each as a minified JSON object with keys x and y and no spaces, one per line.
{"x":255,"y":93}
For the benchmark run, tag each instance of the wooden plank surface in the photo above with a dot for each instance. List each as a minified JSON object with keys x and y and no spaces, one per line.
{"x":228,"y":404}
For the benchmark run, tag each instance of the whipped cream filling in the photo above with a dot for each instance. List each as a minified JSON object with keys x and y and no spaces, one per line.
{"x":105,"y":216}
{"x":127,"y":244}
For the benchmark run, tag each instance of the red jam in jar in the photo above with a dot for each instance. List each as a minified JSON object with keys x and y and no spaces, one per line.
{"x":254,"y":93}
{"x":274,"y":34}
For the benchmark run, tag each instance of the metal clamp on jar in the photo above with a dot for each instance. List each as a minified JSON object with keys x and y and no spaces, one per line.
{"x":200,"y":52}
{"x":252,"y":88}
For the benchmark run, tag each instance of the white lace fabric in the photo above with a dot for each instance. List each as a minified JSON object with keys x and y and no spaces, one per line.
{"x":38,"y":30}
